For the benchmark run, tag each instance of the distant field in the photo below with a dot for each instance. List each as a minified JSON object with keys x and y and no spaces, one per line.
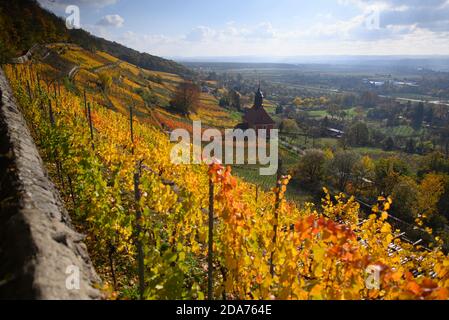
{"x":400,"y":131}
{"x":317,"y":113}
{"x":375,"y":153}
{"x":251,"y":175}
{"x":320,"y":114}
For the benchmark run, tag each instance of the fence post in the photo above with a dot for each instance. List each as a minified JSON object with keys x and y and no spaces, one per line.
{"x":55,"y":89}
{"x":85,"y":104}
{"x":131,"y":127}
{"x":276,"y":214}
{"x":210,"y":293}
{"x":50,"y":114}
{"x":38,"y":83}
{"x":140,"y":259}
{"x":111,"y":252}
{"x":29,"y":90}
{"x":89,"y":116}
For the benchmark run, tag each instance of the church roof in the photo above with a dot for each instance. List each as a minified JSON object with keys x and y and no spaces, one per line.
{"x":257,"y":116}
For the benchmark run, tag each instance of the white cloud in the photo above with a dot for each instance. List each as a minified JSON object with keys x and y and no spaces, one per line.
{"x":338,"y":37}
{"x":405,"y":27}
{"x":200,"y":34}
{"x":432,"y":15}
{"x":261,"y":31}
{"x":111,"y":20}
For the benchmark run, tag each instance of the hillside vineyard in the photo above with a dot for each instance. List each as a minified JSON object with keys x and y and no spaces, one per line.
{"x":147,"y":220}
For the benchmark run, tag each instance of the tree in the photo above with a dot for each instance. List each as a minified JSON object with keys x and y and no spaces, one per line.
{"x":363,"y":175}
{"x":434,"y":162}
{"x":387,"y":173}
{"x":311,"y":169}
{"x":359,"y":113}
{"x":444,"y":138}
{"x":348,"y":100}
{"x":223,"y":102}
{"x":418,"y":116}
{"x":429,"y":114}
{"x":368,"y":99}
{"x":342,"y":168}
{"x":289,"y":126}
{"x":377,"y":136}
{"x":443,"y":204}
{"x":389,"y":144}
{"x":279,"y":109}
{"x":186,"y":98}
{"x":324,"y":126}
{"x":333,"y":110}
{"x":358,"y":135}
{"x":234,"y":100}
{"x":298,"y":101}
{"x":405,"y":196}
{"x":323,"y":101}
{"x":431,"y":189}
{"x":410,"y":146}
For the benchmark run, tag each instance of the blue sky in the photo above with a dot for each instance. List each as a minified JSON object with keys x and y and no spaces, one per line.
{"x":192,"y":28}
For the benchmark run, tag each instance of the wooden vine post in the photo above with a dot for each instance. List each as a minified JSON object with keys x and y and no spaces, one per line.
{"x":91,"y":128}
{"x":55,"y":93}
{"x":51,"y":114}
{"x":29,"y":90}
{"x":131,"y":127}
{"x":210,"y":293}
{"x":276,"y":214}
{"x":137,"y":196}
{"x":140,"y":259}
{"x":38,"y":80}
{"x":85,"y":103}
{"x":15,"y":71}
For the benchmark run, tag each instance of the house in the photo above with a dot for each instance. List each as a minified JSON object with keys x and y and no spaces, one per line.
{"x":257,"y":117}
{"x":335,"y":133}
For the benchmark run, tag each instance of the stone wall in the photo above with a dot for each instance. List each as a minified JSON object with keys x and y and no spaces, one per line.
{"x":40,"y":252}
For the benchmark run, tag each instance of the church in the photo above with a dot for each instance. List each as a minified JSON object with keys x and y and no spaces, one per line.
{"x":257,"y":117}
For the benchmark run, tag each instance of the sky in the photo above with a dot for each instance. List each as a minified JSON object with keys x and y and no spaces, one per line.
{"x":267,"y":28}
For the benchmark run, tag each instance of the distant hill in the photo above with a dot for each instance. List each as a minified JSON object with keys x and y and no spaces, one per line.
{"x":24,"y":23}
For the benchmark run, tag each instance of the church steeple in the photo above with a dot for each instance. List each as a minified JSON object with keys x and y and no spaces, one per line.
{"x":258,"y":99}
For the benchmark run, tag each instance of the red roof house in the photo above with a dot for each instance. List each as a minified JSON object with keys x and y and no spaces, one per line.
{"x":257,"y":117}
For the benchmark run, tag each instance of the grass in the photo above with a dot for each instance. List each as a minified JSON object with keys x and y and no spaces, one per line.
{"x":251,"y":174}
{"x":322,"y":113}
{"x":400,"y":131}
{"x":374,"y":153}
{"x":318,"y":113}
{"x":303,"y":143}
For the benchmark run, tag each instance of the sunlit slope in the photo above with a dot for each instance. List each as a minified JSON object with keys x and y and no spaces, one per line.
{"x":264,"y":247}
{"x":148,"y":92}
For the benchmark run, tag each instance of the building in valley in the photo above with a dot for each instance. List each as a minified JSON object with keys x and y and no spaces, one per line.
{"x":257,"y":117}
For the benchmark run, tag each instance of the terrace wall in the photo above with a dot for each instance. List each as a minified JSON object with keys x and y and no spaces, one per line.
{"x":40,"y":252}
